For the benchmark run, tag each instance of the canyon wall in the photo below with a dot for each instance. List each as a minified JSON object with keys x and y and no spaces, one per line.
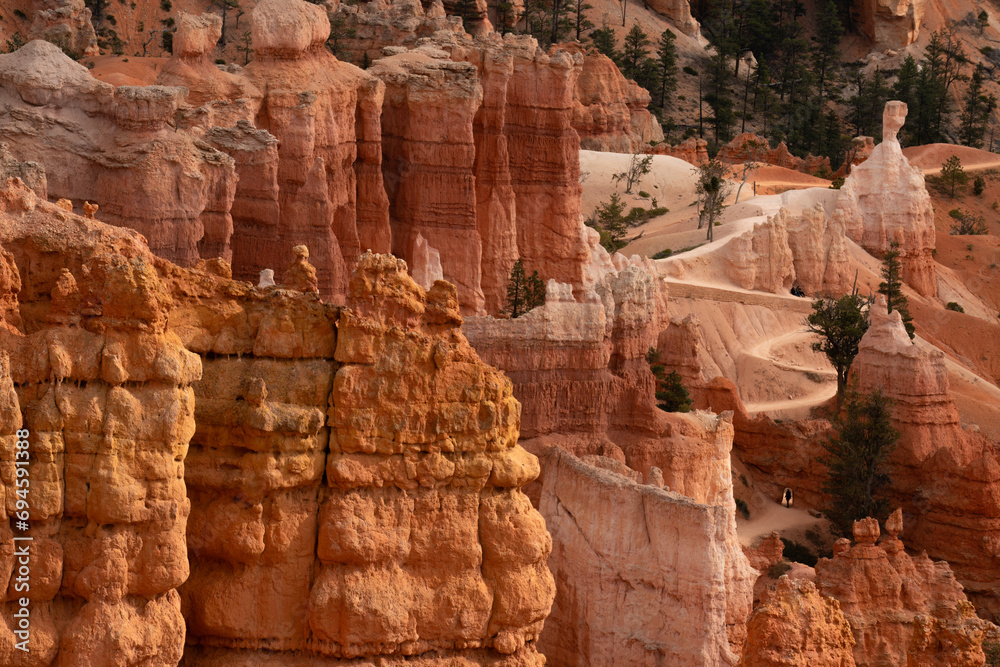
{"x":581,"y":373}
{"x":114,"y":146}
{"x":322,"y":481}
{"x":943,"y":472}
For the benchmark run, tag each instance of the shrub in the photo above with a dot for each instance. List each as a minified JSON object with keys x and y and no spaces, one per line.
{"x":671,"y":395}
{"x":663,"y":254}
{"x":967,"y":224}
{"x":777,"y":569}
{"x":166,"y":5}
{"x":690,"y":70}
{"x":21,"y":15}
{"x":955,"y":306}
{"x":799,"y":553}
{"x":743,"y":508}
{"x":837,"y":183}
{"x":978,"y":185}
{"x":643,"y":194}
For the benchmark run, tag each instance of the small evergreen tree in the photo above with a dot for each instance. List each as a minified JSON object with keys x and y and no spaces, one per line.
{"x":604,"y":42}
{"x":580,"y":21}
{"x":892,"y":286}
{"x":523,"y":292}
{"x":609,"y":221}
{"x":983,"y":20}
{"x":952,"y":174}
{"x":856,"y":457}
{"x":841,"y":322}
{"x":634,"y":52}
{"x":666,"y":61}
{"x":671,"y":395}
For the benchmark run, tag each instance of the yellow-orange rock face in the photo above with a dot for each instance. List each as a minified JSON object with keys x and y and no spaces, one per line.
{"x":796,"y":626}
{"x":902,"y":610}
{"x":105,"y":393}
{"x":319,"y":483}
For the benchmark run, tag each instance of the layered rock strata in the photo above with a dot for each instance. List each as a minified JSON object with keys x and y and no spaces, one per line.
{"x":352,"y":474}
{"x":323,"y":113}
{"x":581,"y":372}
{"x":902,"y":610}
{"x":114,"y":146}
{"x":610,"y":112}
{"x":884,"y":200}
{"x":953,"y":516}
{"x":105,"y":394}
{"x":428,"y":163}
{"x":655,"y":590}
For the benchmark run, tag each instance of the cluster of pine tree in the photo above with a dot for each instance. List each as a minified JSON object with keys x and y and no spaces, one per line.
{"x":763,"y":72}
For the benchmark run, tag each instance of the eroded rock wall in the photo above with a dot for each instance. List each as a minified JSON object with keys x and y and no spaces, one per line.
{"x":352,"y":475}
{"x":653,"y":590}
{"x":104,"y":390}
{"x":113,"y":146}
{"x":429,"y":161}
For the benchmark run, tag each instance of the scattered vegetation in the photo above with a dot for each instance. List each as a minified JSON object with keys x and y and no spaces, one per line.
{"x":953,"y":305}
{"x":524,"y":292}
{"x":992,"y":651}
{"x":671,"y":395}
{"x":892,"y":287}
{"x":638,"y":166}
{"x":743,"y":508}
{"x":799,"y":553}
{"x":663,"y":254}
{"x":856,"y":458}
{"x":978,"y":186}
{"x":953,"y":175}
{"x":712,"y":188}
{"x":14,"y":42}
{"x":967,"y":224}
{"x":841,"y":322}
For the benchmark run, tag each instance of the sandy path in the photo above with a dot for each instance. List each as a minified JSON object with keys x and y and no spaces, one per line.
{"x":772,"y":518}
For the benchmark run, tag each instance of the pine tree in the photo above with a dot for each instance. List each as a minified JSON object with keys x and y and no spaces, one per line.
{"x":523,"y":292}
{"x":580,"y":21}
{"x":856,"y":460}
{"x":666,"y":57}
{"x":634,"y":52}
{"x":604,"y":42}
{"x":841,"y":323}
{"x":976,"y":112}
{"x":892,"y":286}
{"x":720,"y":98}
{"x":952,"y":174}
{"x":671,"y":394}
{"x":609,"y":220}
{"x":829,"y":30}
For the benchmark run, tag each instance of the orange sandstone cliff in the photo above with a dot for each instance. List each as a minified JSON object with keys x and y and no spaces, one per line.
{"x":268,"y":475}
